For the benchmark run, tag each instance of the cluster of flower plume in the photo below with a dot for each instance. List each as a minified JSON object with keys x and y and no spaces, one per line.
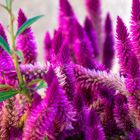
{"x":83,"y":99}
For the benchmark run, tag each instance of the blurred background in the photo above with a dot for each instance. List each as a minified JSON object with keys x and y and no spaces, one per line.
{"x":49,"y":8}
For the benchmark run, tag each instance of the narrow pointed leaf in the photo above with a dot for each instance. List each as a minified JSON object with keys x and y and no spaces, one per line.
{"x":20,"y":55}
{"x":41,"y":85}
{"x":4,"y":45}
{"x":27,"y":24}
{"x":4,"y":95}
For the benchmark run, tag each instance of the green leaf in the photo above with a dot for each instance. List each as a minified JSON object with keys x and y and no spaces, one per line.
{"x":33,"y":82}
{"x":4,"y":45}
{"x":41,"y":85}
{"x":20,"y":55}
{"x":4,"y":86}
{"x":4,"y":95}
{"x":27,"y":24}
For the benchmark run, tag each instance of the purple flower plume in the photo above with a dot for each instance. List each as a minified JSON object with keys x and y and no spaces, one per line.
{"x":66,"y":19}
{"x":47,"y":47}
{"x":121,"y":116}
{"x":108,"y":47}
{"x":6,"y":63}
{"x":92,"y":36}
{"x":94,"y":130}
{"x":129,"y":65}
{"x":135,"y":17}
{"x":134,"y":135}
{"x":51,"y":116}
{"x":94,"y":13}
{"x":83,"y":50}
{"x":66,"y":72}
{"x":26,"y":41}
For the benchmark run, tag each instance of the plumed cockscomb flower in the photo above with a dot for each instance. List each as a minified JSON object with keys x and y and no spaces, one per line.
{"x":9,"y":119}
{"x":94,"y":12}
{"x":83,"y":51}
{"x":26,"y":41}
{"x":51,"y":116}
{"x":57,"y":41}
{"x":65,"y":71}
{"x":6,"y":63}
{"x":133,"y":105}
{"x":66,"y":20}
{"x":121,"y":113}
{"x":128,"y":62}
{"x":108,"y":47}
{"x":47,"y":47}
{"x":92,"y":36}
{"x":135,"y":18}
{"x":94,"y":130}
{"x":91,"y":79}
{"x":134,"y":135}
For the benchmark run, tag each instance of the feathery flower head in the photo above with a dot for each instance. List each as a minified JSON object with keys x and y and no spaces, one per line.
{"x":26,"y":41}
{"x":128,"y":61}
{"x":47,"y":47}
{"x":6,"y":63}
{"x":108,"y":46}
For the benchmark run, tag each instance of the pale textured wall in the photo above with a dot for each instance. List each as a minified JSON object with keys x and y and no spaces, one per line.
{"x":50,"y":7}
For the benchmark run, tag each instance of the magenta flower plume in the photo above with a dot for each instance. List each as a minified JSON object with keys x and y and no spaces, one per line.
{"x":92,"y":36}
{"x":26,"y":41}
{"x":94,"y":13}
{"x":6,"y":63}
{"x":133,"y":104}
{"x":66,"y":73}
{"x":128,"y":62}
{"x":57,"y":42}
{"x":135,"y":17}
{"x":50,"y":114}
{"x":134,"y":135}
{"x":108,"y":47}
{"x":94,"y":130}
{"x":121,"y":113}
{"x":83,"y":50}
{"x":47,"y":47}
{"x":66,"y":19}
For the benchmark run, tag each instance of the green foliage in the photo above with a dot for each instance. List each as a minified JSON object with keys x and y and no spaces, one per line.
{"x":4,"y":45}
{"x":4,"y":95}
{"x":27,"y":24}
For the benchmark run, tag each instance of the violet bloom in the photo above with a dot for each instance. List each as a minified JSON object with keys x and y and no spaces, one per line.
{"x":6,"y":63}
{"x":135,"y":18}
{"x":66,"y":19}
{"x":92,"y":36}
{"x":128,"y":62}
{"x":51,"y":116}
{"x":47,"y":47}
{"x":108,"y":47}
{"x":94,"y":13}
{"x":121,"y":113}
{"x":83,"y":50}
{"x":26,"y":41}
{"x":134,"y":135}
{"x":94,"y":130}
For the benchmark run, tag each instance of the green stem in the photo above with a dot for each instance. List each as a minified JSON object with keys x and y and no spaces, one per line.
{"x":15,"y":59}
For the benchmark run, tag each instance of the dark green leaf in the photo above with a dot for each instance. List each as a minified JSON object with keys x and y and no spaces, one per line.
{"x":33,"y":82}
{"x":20,"y":55}
{"x":27,"y":24}
{"x":4,"y":86}
{"x":4,"y":95}
{"x":4,"y":45}
{"x":41,"y":85}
